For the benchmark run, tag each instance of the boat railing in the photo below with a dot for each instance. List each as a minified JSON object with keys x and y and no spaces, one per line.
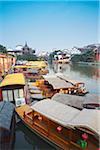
{"x":75,"y":146}
{"x":48,"y":128}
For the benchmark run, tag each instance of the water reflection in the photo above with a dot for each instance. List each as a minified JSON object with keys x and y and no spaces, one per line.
{"x":27,"y":140}
{"x":87,"y":70}
{"x":89,"y":74}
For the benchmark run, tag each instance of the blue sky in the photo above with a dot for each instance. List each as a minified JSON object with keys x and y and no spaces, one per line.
{"x":47,"y":25}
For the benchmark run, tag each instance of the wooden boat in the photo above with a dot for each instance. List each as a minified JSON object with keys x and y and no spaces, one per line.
{"x":35,"y":92}
{"x":32,"y":69}
{"x":7,"y":125}
{"x":62,"y":125}
{"x":88,"y":101}
{"x":14,"y":89}
{"x":92,"y":101}
{"x":79,"y":87}
{"x":51,"y":84}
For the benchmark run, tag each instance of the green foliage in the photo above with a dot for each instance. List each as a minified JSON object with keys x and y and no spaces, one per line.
{"x":3,"y":49}
{"x":41,"y":58}
{"x":28,"y":57}
{"x":87,"y":56}
{"x":51,"y":56}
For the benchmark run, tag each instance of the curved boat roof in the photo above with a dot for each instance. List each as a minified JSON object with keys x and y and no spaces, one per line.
{"x":25,"y":66}
{"x":88,"y":118}
{"x":64,"y":77}
{"x":76,"y":101}
{"x":13,"y":79}
{"x":71,"y":100}
{"x":68,"y":116}
{"x":32,"y":64}
{"x":56,"y":111}
{"x":56,"y":82}
{"x":37,"y":63}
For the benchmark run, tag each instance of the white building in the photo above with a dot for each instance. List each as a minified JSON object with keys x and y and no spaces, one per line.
{"x":10,"y":51}
{"x":75,"y":50}
{"x":18,"y":50}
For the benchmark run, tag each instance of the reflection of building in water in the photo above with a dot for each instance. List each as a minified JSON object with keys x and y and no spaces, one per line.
{"x":55,"y":68}
{"x":96,"y":73}
{"x":59,"y":68}
{"x":87,"y":70}
{"x":97,"y":54}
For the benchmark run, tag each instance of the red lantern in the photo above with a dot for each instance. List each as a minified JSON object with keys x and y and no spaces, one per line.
{"x":84,"y":136}
{"x":59,"y":128}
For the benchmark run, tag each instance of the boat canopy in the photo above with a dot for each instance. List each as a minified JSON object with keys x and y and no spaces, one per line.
{"x":39,"y":64}
{"x":68,"y":116}
{"x":56,"y":82}
{"x":13,"y":79}
{"x":88,"y":118}
{"x":92,"y":99}
{"x":64,"y":77}
{"x":31,"y":65}
{"x":6,"y":114}
{"x":25,"y":67}
{"x":56,"y":111}
{"x":76,"y":101}
{"x":71,"y":100}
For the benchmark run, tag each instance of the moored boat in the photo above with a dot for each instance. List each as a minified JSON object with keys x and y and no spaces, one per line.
{"x":7,"y":125}
{"x":88,"y":101}
{"x":51,"y":84}
{"x":14,"y":89}
{"x":32,"y":69}
{"x":66,"y":127}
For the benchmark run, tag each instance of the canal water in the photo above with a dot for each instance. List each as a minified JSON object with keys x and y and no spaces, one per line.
{"x":89,"y":74}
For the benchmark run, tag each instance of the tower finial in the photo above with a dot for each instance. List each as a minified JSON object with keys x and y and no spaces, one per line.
{"x":25,"y":44}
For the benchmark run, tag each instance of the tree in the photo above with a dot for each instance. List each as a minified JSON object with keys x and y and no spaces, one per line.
{"x":3,"y":49}
{"x":87,"y":56}
{"x":28,"y":57}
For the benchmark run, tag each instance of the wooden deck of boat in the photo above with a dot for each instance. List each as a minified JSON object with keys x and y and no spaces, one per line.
{"x":43,"y":129}
{"x":46,"y":92}
{"x":22,"y":109}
